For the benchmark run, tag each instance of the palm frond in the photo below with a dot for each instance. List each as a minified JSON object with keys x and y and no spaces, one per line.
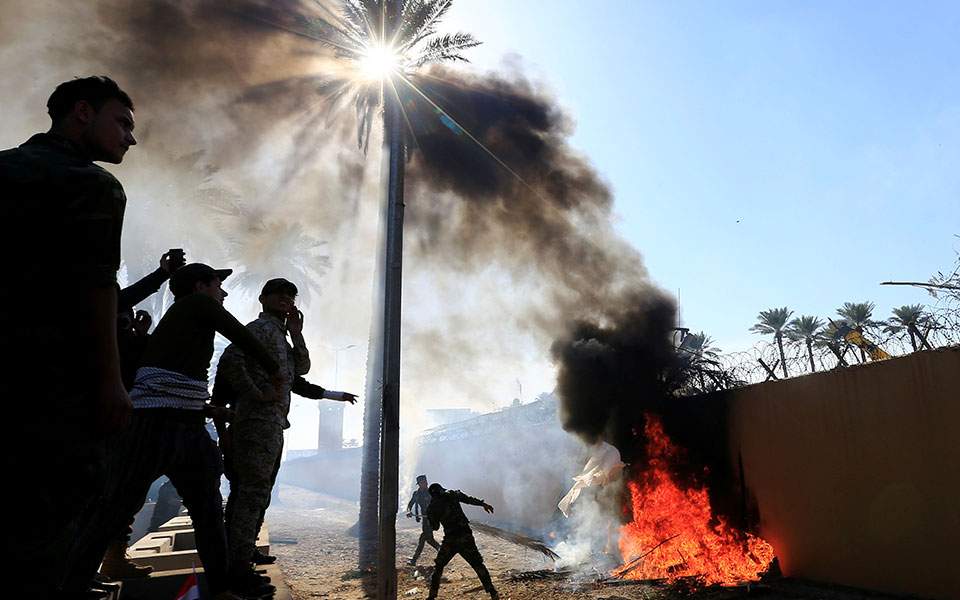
{"x":356,"y":17}
{"x":447,"y":48}
{"x":772,"y":320}
{"x":423,"y":23}
{"x":804,"y":328}
{"x":859,"y":315}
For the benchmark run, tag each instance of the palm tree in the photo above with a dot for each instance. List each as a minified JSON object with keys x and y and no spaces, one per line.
{"x":907,"y":318}
{"x":387,"y":40}
{"x":700,"y":355}
{"x":773,"y":322}
{"x":265,"y":250}
{"x":859,"y":316}
{"x":805,"y":329}
{"x":830,"y":337}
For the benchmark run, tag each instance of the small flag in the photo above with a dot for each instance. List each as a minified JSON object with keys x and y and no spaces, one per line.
{"x":190,"y":590}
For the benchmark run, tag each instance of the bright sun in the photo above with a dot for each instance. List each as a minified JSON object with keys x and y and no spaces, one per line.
{"x":379,"y":62}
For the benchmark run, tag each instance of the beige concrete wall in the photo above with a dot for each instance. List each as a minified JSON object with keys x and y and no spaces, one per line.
{"x":856,"y":472}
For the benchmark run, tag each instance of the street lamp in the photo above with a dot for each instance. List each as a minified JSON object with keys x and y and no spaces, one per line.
{"x":333,"y":412}
{"x":336,"y":361}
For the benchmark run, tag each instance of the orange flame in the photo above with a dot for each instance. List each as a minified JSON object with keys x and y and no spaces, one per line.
{"x":675,"y":531}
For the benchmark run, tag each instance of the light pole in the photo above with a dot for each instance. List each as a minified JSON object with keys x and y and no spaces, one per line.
{"x":334,"y":413}
{"x":390,"y":407}
{"x":336,"y":362}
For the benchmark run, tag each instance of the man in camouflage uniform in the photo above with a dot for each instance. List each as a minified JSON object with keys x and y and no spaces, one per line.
{"x":445,"y":510}
{"x":419,"y":502}
{"x":60,"y":225}
{"x":253,"y":443}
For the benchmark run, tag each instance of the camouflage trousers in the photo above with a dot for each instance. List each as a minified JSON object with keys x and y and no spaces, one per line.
{"x":253,"y":466}
{"x":463,"y":544}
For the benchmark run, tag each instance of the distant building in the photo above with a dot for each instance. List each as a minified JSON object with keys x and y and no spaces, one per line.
{"x":540,"y":412}
{"x":438,"y":417}
{"x":330,"y":435}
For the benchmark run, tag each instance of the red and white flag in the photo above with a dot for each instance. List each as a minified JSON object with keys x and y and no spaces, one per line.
{"x":190,"y":590}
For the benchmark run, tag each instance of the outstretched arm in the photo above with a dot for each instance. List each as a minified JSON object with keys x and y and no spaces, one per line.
{"x":141,"y":290}
{"x":302,"y":387}
{"x":136,"y":293}
{"x":465,"y":499}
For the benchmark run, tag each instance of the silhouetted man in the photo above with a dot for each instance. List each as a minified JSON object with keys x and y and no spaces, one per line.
{"x":60,"y":222}
{"x":419,"y":502}
{"x":223,"y":397}
{"x":133,"y":335}
{"x":445,"y":510}
{"x":167,"y":435}
{"x":254,"y":440}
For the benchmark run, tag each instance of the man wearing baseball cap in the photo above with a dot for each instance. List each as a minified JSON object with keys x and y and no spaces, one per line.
{"x":167,"y":434}
{"x":254,"y":442}
{"x":419,"y":502}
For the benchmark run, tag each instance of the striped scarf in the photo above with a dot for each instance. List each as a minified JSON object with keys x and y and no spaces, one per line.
{"x":160,"y":388}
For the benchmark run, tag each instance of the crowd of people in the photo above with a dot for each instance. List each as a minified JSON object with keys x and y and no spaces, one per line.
{"x":100,"y":407}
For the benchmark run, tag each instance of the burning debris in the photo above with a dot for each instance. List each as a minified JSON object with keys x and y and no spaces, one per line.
{"x":516,"y":538}
{"x":674,"y":532}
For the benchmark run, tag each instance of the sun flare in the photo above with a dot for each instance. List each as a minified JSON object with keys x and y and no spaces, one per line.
{"x":379,"y":62}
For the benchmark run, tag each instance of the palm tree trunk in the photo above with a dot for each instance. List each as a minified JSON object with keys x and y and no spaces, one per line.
{"x":369,"y":467}
{"x":813,"y":368}
{"x":913,"y":339}
{"x":783,"y":358}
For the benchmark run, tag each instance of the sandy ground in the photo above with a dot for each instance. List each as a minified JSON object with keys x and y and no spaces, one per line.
{"x":318,"y":559}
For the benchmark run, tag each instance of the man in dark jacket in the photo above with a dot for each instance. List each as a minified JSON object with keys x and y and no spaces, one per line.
{"x":133,"y":335}
{"x":445,"y":510}
{"x":61,"y":217}
{"x":167,"y":434}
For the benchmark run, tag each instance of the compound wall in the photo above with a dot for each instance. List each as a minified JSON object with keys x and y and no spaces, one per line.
{"x":855,"y":473}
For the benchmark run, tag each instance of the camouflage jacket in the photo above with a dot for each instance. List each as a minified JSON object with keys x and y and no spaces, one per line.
{"x":250,"y":383}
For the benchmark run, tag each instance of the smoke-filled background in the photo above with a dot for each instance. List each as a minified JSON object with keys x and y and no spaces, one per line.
{"x":248,"y":158}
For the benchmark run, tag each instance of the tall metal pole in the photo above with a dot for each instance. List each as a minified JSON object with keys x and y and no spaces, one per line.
{"x":390,"y":416}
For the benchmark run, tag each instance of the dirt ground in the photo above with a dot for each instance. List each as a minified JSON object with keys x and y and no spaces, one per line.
{"x":318,"y":559}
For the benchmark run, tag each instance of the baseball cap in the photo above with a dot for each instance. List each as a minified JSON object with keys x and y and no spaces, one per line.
{"x":279,"y":285}
{"x":184,"y":280}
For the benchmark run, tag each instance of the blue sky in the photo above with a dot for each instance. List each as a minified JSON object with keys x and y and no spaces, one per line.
{"x":830,"y":131}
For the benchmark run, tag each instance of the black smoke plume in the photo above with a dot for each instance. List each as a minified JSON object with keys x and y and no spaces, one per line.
{"x":492,"y":178}
{"x":521,"y":195}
